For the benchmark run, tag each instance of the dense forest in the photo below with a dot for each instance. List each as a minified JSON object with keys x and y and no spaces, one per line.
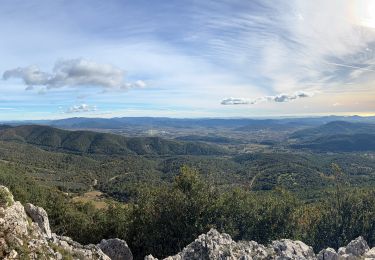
{"x":165,"y":218}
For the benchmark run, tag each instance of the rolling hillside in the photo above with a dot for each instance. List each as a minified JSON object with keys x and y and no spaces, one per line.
{"x":102,"y":143}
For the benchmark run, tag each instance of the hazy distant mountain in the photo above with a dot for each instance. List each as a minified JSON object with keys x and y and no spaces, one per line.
{"x":121,"y":122}
{"x":102,"y":143}
{"x":335,"y":128}
{"x":117,"y":123}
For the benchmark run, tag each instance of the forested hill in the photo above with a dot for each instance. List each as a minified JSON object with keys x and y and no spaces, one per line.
{"x":340,"y":143}
{"x":338,"y":136}
{"x":102,"y":143}
{"x":335,"y":128}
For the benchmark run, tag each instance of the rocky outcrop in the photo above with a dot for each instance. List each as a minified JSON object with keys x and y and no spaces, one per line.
{"x":25,"y":234}
{"x":77,"y":250}
{"x":39,"y":216}
{"x":215,"y":245}
{"x":289,"y":249}
{"x":116,"y":249}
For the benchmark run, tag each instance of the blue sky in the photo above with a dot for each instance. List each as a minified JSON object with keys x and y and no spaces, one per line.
{"x":180,"y":58}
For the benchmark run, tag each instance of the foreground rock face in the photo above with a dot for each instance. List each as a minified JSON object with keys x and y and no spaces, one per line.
{"x":25,"y":234}
{"x":215,"y":245}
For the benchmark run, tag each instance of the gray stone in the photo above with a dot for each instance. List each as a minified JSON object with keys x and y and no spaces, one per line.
{"x":370,"y":253}
{"x":39,"y":216}
{"x":289,"y":249}
{"x":357,"y":247}
{"x":328,"y":254}
{"x":341,"y":251}
{"x":348,"y":257}
{"x":116,"y":249}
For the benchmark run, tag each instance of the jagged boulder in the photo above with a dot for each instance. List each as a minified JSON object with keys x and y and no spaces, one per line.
{"x":116,"y":249}
{"x":214,"y":245}
{"x":289,"y":249}
{"x":39,"y":216}
{"x":357,"y":247}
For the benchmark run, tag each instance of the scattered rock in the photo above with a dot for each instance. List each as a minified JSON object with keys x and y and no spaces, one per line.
{"x":220,"y":246}
{"x":215,"y":245}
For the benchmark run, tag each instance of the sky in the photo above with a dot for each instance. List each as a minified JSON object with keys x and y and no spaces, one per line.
{"x":180,"y":58}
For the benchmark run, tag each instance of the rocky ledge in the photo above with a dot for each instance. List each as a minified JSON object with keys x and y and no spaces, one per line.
{"x":215,"y":245}
{"x":25,"y":234}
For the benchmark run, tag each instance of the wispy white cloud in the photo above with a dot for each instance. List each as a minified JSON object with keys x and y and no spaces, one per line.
{"x":281,"y":98}
{"x":81,"y":109}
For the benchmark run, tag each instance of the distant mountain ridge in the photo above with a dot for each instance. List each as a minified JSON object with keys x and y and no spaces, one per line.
{"x":247,"y":123}
{"x":102,"y":143}
{"x":335,"y":128}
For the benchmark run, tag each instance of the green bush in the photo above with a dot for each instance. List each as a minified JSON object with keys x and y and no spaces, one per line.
{"x":6,"y":198}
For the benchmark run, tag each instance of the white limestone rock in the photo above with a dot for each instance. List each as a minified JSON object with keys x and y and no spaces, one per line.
{"x":39,"y":216}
